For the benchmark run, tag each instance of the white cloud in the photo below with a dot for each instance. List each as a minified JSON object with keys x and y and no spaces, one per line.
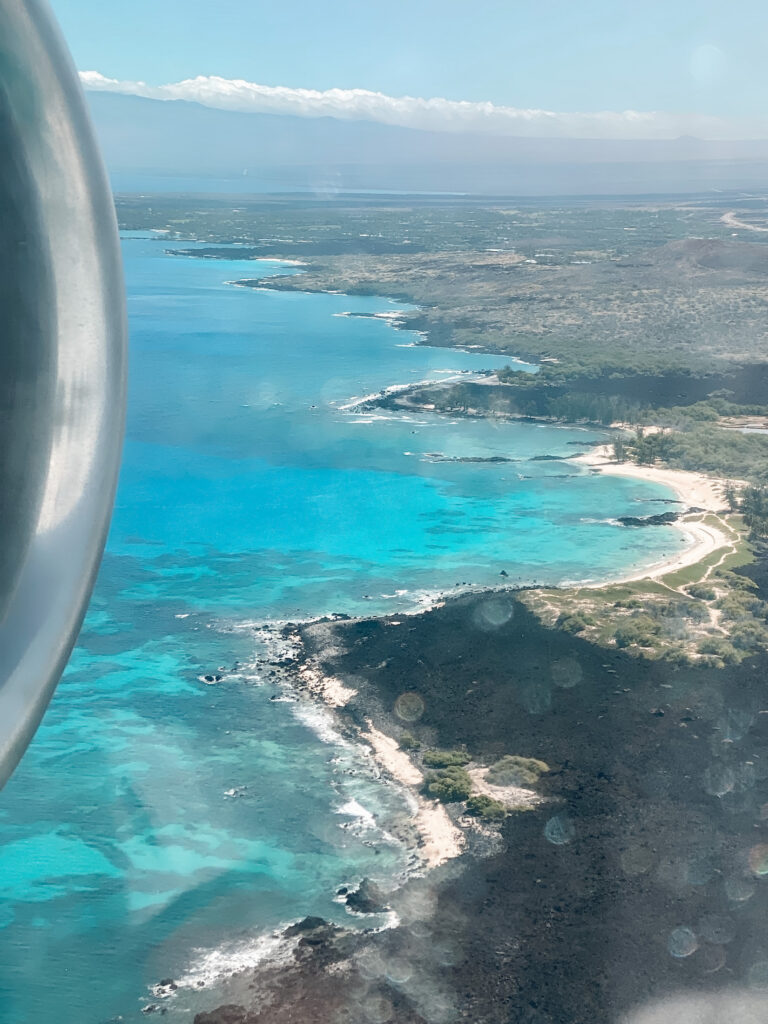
{"x":433,"y":114}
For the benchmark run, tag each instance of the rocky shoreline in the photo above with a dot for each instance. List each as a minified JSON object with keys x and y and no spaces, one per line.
{"x":640,"y":878}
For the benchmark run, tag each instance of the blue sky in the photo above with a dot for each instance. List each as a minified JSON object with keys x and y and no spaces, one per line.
{"x":679,"y":55}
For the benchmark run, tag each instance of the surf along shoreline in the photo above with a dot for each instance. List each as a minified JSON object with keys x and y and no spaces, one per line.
{"x":440,"y":835}
{"x":443,"y":834}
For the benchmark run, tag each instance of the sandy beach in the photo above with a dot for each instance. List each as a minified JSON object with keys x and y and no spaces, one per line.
{"x":330,"y":691}
{"x":695,"y":490}
{"x":515,"y":798}
{"x":441,"y":839}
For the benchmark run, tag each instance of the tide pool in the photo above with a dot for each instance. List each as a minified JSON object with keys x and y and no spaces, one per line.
{"x":158,"y":826}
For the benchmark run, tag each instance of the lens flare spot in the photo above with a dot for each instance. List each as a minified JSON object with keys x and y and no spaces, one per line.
{"x":559,"y":830}
{"x":566,"y":673}
{"x":682,"y":942}
{"x":717,"y":929}
{"x":739,"y":889}
{"x":637,"y":860}
{"x":758,"y":859}
{"x":409,"y":707}
{"x":719,"y":780}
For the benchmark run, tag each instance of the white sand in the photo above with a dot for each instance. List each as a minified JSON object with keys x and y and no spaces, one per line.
{"x":329,"y":689}
{"x":693,"y":489}
{"x":441,"y":839}
{"x":513,"y":797}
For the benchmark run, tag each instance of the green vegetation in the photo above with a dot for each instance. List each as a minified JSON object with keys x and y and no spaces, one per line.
{"x":748,"y":636}
{"x":640,"y":629}
{"x":701,"y":591}
{"x":706,"y":449}
{"x":676,"y":616}
{"x":721,"y":648}
{"x":576,"y":621}
{"x":754,"y":507}
{"x":449,"y":785}
{"x":409,"y":742}
{"x":512,"y":770}
{"x":446,"y":758}
{"x":482,"y":806}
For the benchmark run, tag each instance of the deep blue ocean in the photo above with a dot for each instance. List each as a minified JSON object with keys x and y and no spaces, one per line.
{"x":159,"y":826}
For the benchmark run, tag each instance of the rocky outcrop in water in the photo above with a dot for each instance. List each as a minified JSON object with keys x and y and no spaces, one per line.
{"x":366,"y":899}
{"x":660,"y":519}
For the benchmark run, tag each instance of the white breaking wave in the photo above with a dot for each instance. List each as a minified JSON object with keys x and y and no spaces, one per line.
{"x":320,"y":721}
{"x":212,"y":965}
{"x":364,"y":820}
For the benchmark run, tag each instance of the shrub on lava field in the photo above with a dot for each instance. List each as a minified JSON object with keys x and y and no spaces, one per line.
{"x":516,"y":771}
{"x":681,"y":609}
{"x":409,"y":742}
{"x":740,"y":605}
{"x":483,"y":806}
{"x":446,"y":758}
{"x":735,"y":580}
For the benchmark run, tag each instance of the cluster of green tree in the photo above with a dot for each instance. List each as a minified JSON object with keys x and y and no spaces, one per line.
{"x":753,"y":505}
{"x":607,"y":394}
{"x":482,"y":806}
{"x":709,"y":410}
{"x":449,"y":785}
{"x":707,"y":449}
{"x":649,"y":448}
{"x":531,"y":395}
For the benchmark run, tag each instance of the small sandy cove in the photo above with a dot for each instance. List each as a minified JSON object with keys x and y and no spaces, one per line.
{"x":695,"y":490}
{"x":441,"y":839}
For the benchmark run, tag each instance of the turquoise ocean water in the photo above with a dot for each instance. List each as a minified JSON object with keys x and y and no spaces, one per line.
{"x":159,"y":826}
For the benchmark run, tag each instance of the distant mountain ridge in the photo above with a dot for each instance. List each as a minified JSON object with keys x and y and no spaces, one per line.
{"x":179,"y":138}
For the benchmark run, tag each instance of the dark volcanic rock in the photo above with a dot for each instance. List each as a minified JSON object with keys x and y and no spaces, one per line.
{"x":307,"y":924}
{"x":229,"y":1014}
{"x":366,"y":899}
{"x":660,"y":519}
{"x":492,"y":459}
{"x":576,"y":920}
{"x":654,"y":840}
